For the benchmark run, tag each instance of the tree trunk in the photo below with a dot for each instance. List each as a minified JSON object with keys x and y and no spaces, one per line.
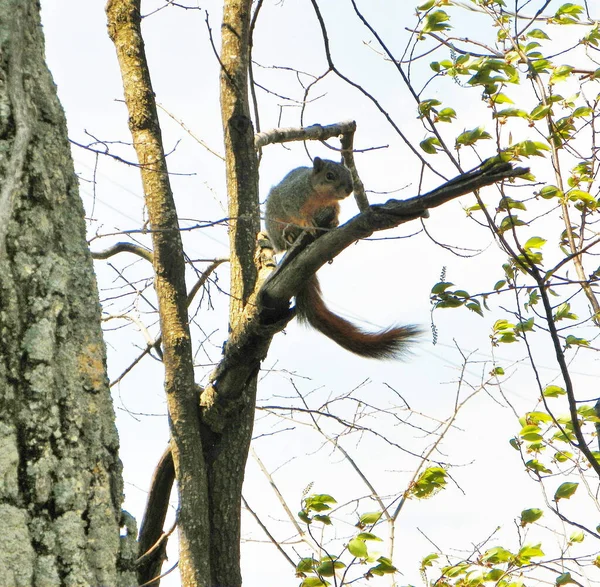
{"x":60,"y":475}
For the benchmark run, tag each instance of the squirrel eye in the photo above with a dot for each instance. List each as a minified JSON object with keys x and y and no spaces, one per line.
{"x":330,"y":175}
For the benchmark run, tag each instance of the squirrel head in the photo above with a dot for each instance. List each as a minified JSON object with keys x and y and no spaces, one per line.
{"x":331,"y":178}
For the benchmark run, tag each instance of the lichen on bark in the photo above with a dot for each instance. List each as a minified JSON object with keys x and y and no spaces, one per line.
{"x":60,"y":475}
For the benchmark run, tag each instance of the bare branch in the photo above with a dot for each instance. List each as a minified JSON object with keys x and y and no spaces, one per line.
{"x":123,"y":247}
{"x":152,"y":540}
{"x":316,"y":132}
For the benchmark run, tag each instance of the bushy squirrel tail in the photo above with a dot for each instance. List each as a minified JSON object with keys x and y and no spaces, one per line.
{"x":390,"y":343}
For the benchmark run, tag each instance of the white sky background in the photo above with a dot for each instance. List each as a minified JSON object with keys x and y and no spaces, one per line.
{"x":376,"y":282}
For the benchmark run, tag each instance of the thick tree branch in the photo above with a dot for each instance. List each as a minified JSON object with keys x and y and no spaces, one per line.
{"x":240,"y":157}
{"x":153,"y":552}
{"x":124,"y":26}
{"x":124,"y":247}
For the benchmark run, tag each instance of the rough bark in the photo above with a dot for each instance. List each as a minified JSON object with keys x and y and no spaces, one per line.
{"x":240,"y":156}
{"x":60,"y":475}
{"x":124,"y":26}
{"x":231,"y":431}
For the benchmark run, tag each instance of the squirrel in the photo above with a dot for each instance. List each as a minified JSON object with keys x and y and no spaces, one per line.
{"x":307,"y":199}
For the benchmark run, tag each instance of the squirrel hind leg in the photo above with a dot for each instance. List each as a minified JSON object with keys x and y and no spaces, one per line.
{"x":291,"y":233}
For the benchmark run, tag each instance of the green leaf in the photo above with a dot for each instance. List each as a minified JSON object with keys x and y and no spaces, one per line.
{"x":560,"y":74}
{"x":528,"y":149}
{"x":436,"y":21}
{"x":510,"y":112}
{"x":550,"y":191}
{"x":588,"y":413}
{"x":582,"y":111}
{"x":541,"y":65}
{"x":368,"y":536}
{"x":538,"y":34}
{"x":508,"y":222}
{"x":470,"y":137}
{"x":323,"y":519}
{"x":426,"y":5}
{"x":564,"y":312}
{"x":306,"y":565}
{"x":430,"y":145}
{"x":577,"y":536}
{"x":497,"y":555}
{"x":446,"y":114}
{"x":529,"y":49}
{"x":535,"y":418}
{"x":357,"y":548}
{"x":455,"y":570}
{"x":321,"y":498}
{"x":525,"y":325}
{"x":564,"y":579}
{"x":568,"y":13}
{"x":429,"y":482}
{"x":562,"y":456}
{"x":533,"y":299}
{"x":472,"y":208}
{"x":474,"y":578}
{"x":582,"y":196}
{"x":494,"y":575}
{"x":563,"y":436}
{"x":507,"y":203}
{"x":328,"y":567}
{"x":553,"y":391}
{"x":499,"y":284}
{"x":385,"y":567}
{"x":531,"y":515}
{"x":531,"y":433}
{"x":369,"y":518}
{"x":540,"y":111}
{"x":535,"y":465}
{"x":535,"y":242}
{"x":318,"y":502}
{"x":474,"y":306}
{"x":314,"y":582}
{"x":441,"y":287}
{"x":501,"y":326}
{"x":593,"y":37}
{"x":427,"y":561}
{"x":490,"y":72}
{"x":501,"y":98}
{"x":565,"y":490}
{"x":427,"y":106}
{"x":574,"y":341}
{"x":530,"y":551}
{"x":304,"y":517}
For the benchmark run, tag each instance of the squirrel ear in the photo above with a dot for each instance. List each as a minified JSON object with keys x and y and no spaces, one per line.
{"x":318,"y":164}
